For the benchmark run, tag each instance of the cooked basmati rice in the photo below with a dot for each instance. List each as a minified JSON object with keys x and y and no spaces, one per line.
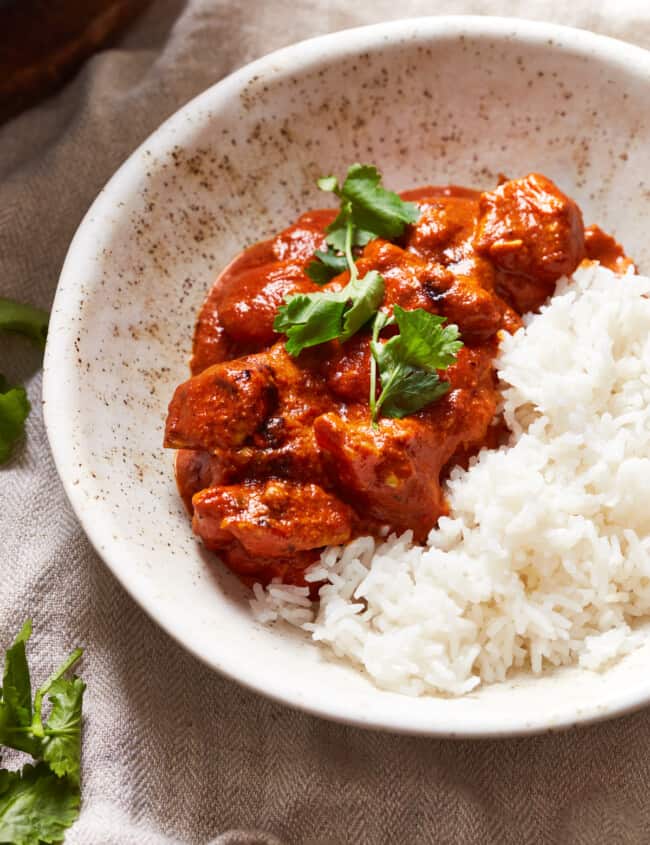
{"x":545,"y":557}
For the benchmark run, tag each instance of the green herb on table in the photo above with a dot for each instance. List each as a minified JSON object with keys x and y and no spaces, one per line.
{"x":409,"y":362}
{"x":14,"y":409}
{"x":24,"y":319}
{"x":14,"y":405}
{"x":39,"y":803}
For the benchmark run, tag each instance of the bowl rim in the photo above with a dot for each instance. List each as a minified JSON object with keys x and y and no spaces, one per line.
{"x":59,"y":358}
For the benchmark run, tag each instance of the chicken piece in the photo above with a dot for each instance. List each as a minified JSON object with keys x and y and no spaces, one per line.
{"x":261,"y":276}
{"x":404,"y":274}
{"x":459,"y":283}
{"x":245,"y":298}
{"x":464,"y":294}
{"x":249,"y":304}
{"x":285,"y":445}
{"x":392,"y":472}
{"x":299,"y":242}
{"x":259,"y":428}
{"x":211,"y":344}
{"x":222,"y":406}
{"x":534,"y":234}
{"x":444,"y":229}
{"x":273,"y":518}
{"x":346,"y":368}
{"x":195,"y":470}
{"x":290,"y":569}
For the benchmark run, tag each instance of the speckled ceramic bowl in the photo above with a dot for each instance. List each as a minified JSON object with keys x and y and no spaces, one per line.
{"x":431,"y":100}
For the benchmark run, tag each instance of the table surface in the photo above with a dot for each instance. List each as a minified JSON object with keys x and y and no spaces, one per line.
{"x":172,"y":752}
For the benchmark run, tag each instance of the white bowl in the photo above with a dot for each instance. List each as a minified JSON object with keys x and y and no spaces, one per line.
{"x":433,"y":100}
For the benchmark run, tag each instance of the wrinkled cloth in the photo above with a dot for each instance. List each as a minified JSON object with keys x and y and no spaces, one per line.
{"x":174,"y":753}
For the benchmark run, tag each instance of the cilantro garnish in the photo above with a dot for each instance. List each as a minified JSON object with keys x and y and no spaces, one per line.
{"x":408,"y":363}
{"x":309,"y":319}
{"x":367,"y":211}
{"x":39,"y":803}
{"x":14,"y":405}
{"x":373,"y":211}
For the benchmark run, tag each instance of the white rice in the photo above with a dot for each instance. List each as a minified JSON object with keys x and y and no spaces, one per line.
{"x":545,"y":557}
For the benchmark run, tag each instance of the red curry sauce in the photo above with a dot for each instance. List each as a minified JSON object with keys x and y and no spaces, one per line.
{"x":277,"y":456}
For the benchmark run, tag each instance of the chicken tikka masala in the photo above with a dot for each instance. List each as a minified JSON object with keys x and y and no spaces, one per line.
{"x":285,"y":449}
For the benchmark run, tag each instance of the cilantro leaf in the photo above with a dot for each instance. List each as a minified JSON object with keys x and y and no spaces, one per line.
{"x":25,"y":319}
{"x":309,"y":319}
{"x":14,"y":405}
{"x":62,"y":742}
{"x":16,"y":697}
{"x":36,"y":806}
{"x":14,"y":409}
{"x":365,"y":296}
{"x":16,"y":684}
{"x":372,"y":207}
{"x":408,"y":363}
{"x":21,"y":726}
{"x":337,"y":232}
{"x":422,"y":340}
{"x":328,"y":183}
{"x":325,"y":266}
{"x":408,"y":389}
{"x":371,"y":210}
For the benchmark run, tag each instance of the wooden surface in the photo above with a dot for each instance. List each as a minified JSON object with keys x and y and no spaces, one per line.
{"x":43,"y":42}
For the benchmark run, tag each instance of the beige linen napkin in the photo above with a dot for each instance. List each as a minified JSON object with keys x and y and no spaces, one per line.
{"x":172,"y":752}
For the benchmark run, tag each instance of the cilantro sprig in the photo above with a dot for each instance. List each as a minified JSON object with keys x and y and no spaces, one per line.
{"x":14,"y":405}
{"x":41,"y":802}
{"x":409,"y":362}
{"x":367,"y":211}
